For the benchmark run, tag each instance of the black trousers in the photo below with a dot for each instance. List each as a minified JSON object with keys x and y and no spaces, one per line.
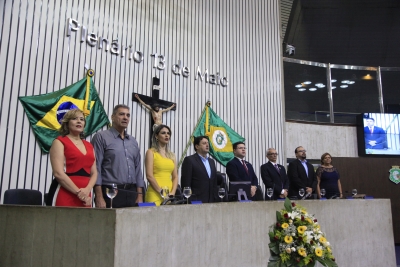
{"x":126,"y":197}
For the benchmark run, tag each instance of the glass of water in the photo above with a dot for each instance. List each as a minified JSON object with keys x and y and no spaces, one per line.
{"x":270,"y":192}
{"x":221,"y":193}
{"x":111,"y":191}
{"x":301,"y":192}
{"x":165,"y":192}
{"x":187,"y":192}
{"x":354,"y":192}
{"x":323,"y":192}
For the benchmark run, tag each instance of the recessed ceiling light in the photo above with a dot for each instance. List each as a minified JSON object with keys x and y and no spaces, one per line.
{"x":321,"y":86}
{"x":344,"y":86}
{"x":307,"y":82}
{"x":351,"y":82}
{"x":333,"y":80}
{"x":345,"y":81}
{"x":298,"y":85}
{"x":302,"y":89}
{"x":313,"y":89}
{"x":333,"y":87}
{"x":318,"y":84}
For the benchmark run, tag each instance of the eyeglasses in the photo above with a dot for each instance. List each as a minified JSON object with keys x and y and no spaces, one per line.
{"x":272,"y":154}
{"x":301,"y":151}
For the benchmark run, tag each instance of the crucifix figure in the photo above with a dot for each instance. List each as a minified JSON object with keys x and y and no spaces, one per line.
{"x":154,"y":103}
{"x":155,"y":111}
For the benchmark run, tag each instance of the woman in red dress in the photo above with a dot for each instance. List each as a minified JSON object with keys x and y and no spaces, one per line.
{"x":77,"y":155}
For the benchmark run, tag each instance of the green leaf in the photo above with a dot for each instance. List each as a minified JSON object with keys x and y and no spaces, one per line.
{"x":273,"y":263}
{"x":274,"y":248}
{"x":279,"y":216}
{"x":271,"y":235}
{"x":288,"y":205}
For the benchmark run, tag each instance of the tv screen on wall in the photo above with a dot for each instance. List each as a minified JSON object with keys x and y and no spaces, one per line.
{"x":378,"y":134}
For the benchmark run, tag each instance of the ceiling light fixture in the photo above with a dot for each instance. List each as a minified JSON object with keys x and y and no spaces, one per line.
{"x":307,"y":82}
{"x":313,"y":89}
{"x":344,"y":86}
{"x":298,"y":85}
{"x":302,"y":89}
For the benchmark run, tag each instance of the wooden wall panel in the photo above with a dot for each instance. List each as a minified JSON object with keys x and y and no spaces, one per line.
{"x":371,"y":176}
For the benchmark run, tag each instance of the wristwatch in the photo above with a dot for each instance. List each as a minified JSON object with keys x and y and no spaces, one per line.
{"x":161,"y":191}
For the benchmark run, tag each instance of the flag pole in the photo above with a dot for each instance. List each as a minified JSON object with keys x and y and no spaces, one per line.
{"x":191,"y":138}
{"x":89,"y":75}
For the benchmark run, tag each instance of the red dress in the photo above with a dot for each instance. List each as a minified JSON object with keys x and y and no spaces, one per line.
{"x":78,"y":167}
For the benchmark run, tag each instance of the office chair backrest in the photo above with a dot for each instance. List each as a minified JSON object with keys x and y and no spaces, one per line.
{"x":23,"y":197}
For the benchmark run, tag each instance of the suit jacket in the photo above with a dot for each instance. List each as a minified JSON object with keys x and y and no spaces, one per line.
{"x":378,"y":135}
{"x":237,"y":172}
{"x":298,"y":177}
{"x":194,"y":174}
{"x":274,"y":179}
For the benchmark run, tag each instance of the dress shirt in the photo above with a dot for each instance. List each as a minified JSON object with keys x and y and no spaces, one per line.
{"x":277,"y":168}
{"x":117,"y":160}
{"x":304,"y":163}
{"x":206,"y":164}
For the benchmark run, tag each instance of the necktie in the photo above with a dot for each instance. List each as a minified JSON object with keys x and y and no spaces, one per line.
{"x":277,"y":168}
{"x":245,"y":167}
{"x":370,"y":129}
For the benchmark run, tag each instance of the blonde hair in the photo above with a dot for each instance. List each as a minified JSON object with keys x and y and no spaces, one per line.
{"x":156,"y":146}
{"x":71,"y":114}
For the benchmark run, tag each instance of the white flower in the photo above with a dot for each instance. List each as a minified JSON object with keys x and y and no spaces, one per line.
{"x":290,"y":221}
{"x":293,"y":234}
{"x":328,"y":244}
{"x":293,"y":214}
{"x":308,"y":236}
{"x":293,"y":249}
{"x":288,"y":250}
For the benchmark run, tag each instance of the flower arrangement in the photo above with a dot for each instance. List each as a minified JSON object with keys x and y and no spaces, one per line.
{"x":296,"y":239}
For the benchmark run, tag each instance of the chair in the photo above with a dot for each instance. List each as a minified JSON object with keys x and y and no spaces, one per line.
{"x":23,"y":197}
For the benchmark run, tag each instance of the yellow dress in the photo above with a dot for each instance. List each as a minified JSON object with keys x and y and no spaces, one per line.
{"x":162,"y":171}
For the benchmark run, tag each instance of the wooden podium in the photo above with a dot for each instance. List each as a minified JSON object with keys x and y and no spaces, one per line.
{"x":220,"y":234}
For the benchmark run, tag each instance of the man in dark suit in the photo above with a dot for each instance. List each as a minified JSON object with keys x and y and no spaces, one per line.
{"x":301,"y":175}
{"x":274,"y":176}
{"x":240,"y":170}
{"x":375,"y":137}
{"x":199,"y":172}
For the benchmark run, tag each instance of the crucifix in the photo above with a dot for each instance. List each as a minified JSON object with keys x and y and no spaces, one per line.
{"x":154,"y":103}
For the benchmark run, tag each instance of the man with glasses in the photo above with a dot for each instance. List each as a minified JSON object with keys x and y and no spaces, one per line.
{"x":301,"y":175}
{"x":240,"y":170}
{"x":274,"y":176}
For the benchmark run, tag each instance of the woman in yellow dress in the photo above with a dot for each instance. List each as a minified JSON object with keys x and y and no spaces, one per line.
{"x":160,"y":164}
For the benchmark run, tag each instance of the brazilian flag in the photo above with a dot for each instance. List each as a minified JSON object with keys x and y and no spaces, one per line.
{"x":221,"y":136}
{"x":46,"y":111}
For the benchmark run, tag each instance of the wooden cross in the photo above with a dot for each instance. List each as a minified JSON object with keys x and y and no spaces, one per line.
{"x":154,"y":99}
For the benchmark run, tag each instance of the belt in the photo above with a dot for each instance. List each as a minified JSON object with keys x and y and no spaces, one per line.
{"x":126,"y":186}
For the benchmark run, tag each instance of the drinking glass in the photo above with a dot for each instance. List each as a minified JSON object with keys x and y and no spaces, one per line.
{"x":111,"y":191}
{"x":165,"y":192}
{"x":270,"y":191}
{"x":187,"y":192}
{"x":323,"y":192}
{"x":221,"y":193}
{"x":354,"y":192}
{"x":301,"y":192}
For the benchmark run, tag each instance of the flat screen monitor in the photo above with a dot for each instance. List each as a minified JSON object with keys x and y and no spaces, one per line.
{"x":378,"y":135}
{"x":234,"y":188}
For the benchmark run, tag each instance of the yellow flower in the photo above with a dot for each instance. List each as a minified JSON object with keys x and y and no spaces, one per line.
{"x":301,"y":229}
{"x":329,"y":249}
{"x":309,"y":220}
{"x":288,"y":239}
{"x":302,"y":252}
{"x":304,"y":211}
{"x":318,"y":252}
{"x":322,"y":239}
{"x":285,"y":225}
